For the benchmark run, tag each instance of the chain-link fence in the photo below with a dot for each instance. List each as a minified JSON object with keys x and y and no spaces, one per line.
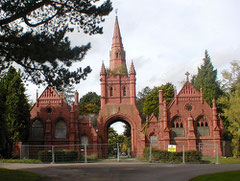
{"x":119,"y":152}
{"x":75,"y":153}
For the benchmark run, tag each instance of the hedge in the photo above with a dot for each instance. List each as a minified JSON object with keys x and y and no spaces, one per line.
{"x":59,"y":155}
{"x":172,"y":157}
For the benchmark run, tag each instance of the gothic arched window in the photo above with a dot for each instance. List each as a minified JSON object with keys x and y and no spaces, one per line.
{"x":202,"y":126}
{"x":177,"y":129}
{"x":111,"y":91}
{"x":37,"y":129}
{"x":124,"y":92}
{"x":61,"y":129}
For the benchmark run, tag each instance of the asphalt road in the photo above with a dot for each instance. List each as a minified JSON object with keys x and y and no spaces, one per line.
{"x":120,"y":171}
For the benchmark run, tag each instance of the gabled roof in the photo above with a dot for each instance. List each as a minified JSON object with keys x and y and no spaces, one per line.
{"x":187,"y":91}
{"x":49,"y":93}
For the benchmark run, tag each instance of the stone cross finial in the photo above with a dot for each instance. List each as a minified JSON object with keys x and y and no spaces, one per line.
{"x":187,"y":74}
{"x":116,"y":11}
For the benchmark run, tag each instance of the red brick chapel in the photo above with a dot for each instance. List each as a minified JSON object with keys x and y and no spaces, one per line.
{"x":188,"y":120}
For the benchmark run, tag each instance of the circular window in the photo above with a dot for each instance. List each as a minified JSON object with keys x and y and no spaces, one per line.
{"x":188,"y":107}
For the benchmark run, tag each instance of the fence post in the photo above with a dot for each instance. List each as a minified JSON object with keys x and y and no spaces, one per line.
{"x":21,"y":149}
{"x":85,"y":153}
{"x":53,"y":156}
{"x":150,"y":152}
{"x":118,"y":152}
{"x":223,"y":148}
{"x":183,"y":156}
{"x":217,"y":161}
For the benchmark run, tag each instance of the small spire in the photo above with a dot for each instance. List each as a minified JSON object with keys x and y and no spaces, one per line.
{"x":103,"y":70}
{"x":132,"y":69}
{"x":187,"y":75}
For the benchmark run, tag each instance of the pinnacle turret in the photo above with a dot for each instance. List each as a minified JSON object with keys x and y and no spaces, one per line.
{"x":103,"y":70}
{"x":132,"y":69}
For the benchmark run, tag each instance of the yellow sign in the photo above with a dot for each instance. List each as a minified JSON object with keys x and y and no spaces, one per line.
{"x":172,"y":148}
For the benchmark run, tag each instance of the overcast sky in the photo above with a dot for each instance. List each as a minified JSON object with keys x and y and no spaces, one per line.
{"x":164,"y":38}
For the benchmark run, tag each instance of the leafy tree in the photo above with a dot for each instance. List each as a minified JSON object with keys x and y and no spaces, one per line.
{"x":123,"y":140}
{"x":232,"y":112}
{"x":127,"y":130}
{"x":33,"y":36}
{"x":3,"y":127}
{"x":90,"y":103}
{"x":16,"y":113}
{"x":141,"y":99}
{"x":231,"y":80}
{"x":207,"y":79}
{"x":231,"y":105}
{"x":151,"y":104}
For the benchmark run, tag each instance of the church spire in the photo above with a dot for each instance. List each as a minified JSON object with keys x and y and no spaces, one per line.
{"x":117,"y":53}
{"x":117,"y":39}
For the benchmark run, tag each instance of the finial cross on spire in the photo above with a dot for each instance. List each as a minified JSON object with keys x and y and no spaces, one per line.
{"x":116,"y":12}
{"x":187,"y":74}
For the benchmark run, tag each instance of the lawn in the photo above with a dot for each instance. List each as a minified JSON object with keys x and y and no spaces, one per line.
{"x":17,"y":175}
{"x":19,"y":161}
{"x":223,"y":176}
{"x":222,"y":160}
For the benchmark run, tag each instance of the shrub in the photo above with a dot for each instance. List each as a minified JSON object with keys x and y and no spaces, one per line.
{"x":92,"y":157}
{"x":193,"y":156}
{"x":45,"y":156}
{"x":172,"y":157}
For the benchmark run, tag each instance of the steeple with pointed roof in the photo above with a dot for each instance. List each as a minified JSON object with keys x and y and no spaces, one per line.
{"x":117,"y":53}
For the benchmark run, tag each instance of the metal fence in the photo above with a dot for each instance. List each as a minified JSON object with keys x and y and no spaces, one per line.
{"x":75,"y":153}
{"x":181,"y":153}
{"x":115,"y":152}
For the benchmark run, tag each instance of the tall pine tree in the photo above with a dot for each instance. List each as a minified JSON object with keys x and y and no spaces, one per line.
{"x":207,"y":79}
{"x":3,"y":127}
{"x":16,"y":113}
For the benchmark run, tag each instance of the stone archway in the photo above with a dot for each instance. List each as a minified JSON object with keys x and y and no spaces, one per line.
{"x":136,"y":139}
{"x":125,"y":120}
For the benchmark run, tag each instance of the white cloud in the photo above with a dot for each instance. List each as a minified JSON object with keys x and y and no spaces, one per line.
{"x":165,"y":39}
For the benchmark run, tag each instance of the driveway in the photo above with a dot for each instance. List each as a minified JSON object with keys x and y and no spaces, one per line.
{"x":121,"y":171}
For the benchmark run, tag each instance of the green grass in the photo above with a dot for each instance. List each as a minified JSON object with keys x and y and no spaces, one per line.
{"x":222,"y":176}
{"x":19,"y":161}
{"x":17,"y":175}
{"x":222,"y":160}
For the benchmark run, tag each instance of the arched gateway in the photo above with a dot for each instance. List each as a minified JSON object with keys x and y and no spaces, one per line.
{"x":118,"y":95}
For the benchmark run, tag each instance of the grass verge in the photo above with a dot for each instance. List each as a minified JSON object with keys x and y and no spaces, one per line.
{"x":222,"y":160}
{"x":19,"y":161}
{"x":222,"y":176}
{"x":17,"y":175}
